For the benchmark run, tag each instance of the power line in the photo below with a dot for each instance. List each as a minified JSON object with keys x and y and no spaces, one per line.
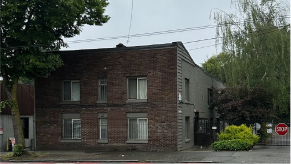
{"x":138,"y":35}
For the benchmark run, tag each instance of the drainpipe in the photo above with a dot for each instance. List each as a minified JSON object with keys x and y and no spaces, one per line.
{"x":34,"y":128}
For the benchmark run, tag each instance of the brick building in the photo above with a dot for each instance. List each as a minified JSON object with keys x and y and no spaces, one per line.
{"x":123,"y":98}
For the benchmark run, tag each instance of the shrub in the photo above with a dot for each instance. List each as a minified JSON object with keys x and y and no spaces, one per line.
{"x":263,"y":133}
{"x":235,"y":144}
{"x":236,"y":138}
{"x":18,"y":150}
{"x":239,"y":132}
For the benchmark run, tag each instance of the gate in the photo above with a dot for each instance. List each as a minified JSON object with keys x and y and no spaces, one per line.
{"x":205,"y":131}
{"x":275,"y":139}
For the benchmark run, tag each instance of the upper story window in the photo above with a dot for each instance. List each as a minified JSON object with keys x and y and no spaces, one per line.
{"x":187,"y":90}
{"x":71,"y":90}
{"x":210,"y":96}
{"x":137,"y":88}
{"x":102,"y":90}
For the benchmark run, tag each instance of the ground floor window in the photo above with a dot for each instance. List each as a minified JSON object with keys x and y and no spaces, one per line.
{"x":103,"y":132}
{"x":71,"y":126}
{"x":137,"y":127}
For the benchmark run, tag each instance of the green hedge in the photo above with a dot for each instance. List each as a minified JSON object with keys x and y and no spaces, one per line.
{"x":236,"y":138}
{"x":235,"y":144}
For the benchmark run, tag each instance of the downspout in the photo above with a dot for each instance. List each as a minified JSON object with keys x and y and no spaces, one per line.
{"x":34,"y":128}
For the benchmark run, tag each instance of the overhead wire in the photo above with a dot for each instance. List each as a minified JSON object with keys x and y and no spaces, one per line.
{"x":137,"y":35}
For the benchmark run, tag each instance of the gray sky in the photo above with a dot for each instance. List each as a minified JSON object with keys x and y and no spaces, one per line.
{"x":150,"y":16}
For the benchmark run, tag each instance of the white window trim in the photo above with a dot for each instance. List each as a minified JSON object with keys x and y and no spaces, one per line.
{"x":70,"y":139}
{"x":137,"y":140}
{"x":99,"y":91}
{"x":63,"y":97}
{"x":137,"y":99}
{"x":102,"y":116}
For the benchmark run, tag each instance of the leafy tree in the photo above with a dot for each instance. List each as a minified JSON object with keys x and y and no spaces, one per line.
{"x":258,"y":43}
{"x":215,"y":66}
{"x":30,"y":30}
{"x":237,"y":105}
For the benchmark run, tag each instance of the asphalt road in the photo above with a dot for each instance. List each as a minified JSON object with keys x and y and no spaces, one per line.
{"x":259,"y":154}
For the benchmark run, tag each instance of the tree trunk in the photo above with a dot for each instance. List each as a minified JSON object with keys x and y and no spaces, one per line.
{"x":17,"y":123}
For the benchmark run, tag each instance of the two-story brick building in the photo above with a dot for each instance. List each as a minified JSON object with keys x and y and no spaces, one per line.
{"x":123,"y":98}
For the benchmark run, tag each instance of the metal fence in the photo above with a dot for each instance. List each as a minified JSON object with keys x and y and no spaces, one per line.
{"x":205,"y":132}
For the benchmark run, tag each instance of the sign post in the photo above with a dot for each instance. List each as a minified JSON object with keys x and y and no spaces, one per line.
{"x":281,"y":129}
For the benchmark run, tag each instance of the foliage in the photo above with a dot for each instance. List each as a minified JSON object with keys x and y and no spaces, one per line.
{"x":239,"y":132}
{"x":23,"y":80}
{"x":30,"y":30}
{"x":263,"y":133}
{"x":257,"y":42}
{"x":215,"y":66}
{"x":236,"y":138}
{"x":233,"y":145}
{"x":18,"y":150}
{"x":237,"y":105}
{"x":26,"y":156}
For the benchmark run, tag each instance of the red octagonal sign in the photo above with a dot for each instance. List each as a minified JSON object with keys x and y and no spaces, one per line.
{"x":281,"y":129}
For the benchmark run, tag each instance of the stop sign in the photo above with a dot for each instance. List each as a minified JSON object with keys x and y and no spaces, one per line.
{"x":281,"y":129}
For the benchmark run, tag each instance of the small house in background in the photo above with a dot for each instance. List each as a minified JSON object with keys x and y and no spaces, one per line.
{"x":147,"y":98}
{"x":25,"y":98}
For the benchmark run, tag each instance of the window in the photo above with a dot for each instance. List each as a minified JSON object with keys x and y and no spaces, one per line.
{"x":102,"y":90}
{"x":25,"y":127}
{"x":137,"y":88}
{"x":137,"y":127}
{"x":187,"y":129}
{"x":210,"y":96}
{"x":71,"y":126}
{"x":71,"y":90}
{"x":103,"y":132}
{"x":187,"y":95}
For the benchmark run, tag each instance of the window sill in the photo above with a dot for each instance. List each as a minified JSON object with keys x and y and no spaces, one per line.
{"x":136,"y":100}
{"x":101,"y":102}
{"x":71,"y":140}
{"x":137,"y":141}
{"x":70,"y":102}
{"x":105,"y":141}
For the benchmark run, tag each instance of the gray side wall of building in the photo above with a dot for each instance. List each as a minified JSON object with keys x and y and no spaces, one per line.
{"x":6,"y":124}
{"x":199,"y":83}
{"x":184,"y":110}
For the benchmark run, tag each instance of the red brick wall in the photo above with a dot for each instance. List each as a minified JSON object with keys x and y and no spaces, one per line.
{"x":158,"y":65}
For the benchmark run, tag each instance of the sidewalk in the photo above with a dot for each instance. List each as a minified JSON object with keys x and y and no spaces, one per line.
{"x":259,"y":154}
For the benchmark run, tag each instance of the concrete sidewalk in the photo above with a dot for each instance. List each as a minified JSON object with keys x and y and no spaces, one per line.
{"x":259,"y":154}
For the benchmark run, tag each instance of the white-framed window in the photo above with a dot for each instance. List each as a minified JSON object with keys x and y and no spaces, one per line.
{"x":137,"y":88}
{"x":102,"y":90}
{"x":103,"y":132}
{"x":71,"y":90}
{"x":137,"y":128}
{"x":71,"y":126}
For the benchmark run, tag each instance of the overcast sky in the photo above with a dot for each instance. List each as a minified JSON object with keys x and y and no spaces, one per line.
{"x":150,"y":16}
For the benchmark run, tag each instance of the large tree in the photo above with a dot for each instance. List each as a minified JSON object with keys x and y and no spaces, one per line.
{"x":30,"y":29}
{"x":258,"y":43}
{"x":238,"y":105}
{"x":216,"y":65}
